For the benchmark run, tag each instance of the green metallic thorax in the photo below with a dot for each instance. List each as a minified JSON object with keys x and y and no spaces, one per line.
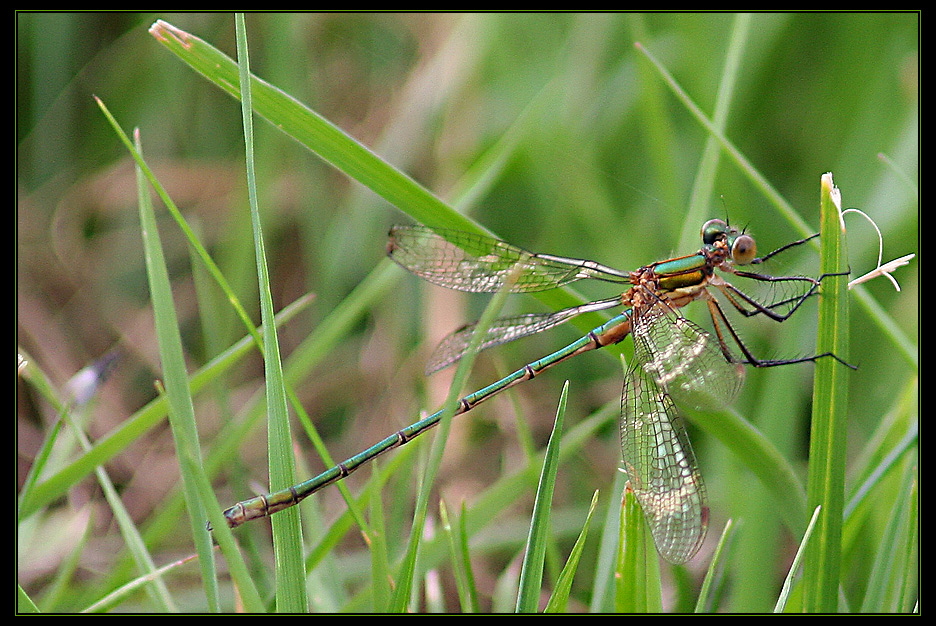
{"x":687,"y":271}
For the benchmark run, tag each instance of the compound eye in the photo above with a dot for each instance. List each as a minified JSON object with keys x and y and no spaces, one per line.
{"x":743,"y":250}
{"x":713,"y":230}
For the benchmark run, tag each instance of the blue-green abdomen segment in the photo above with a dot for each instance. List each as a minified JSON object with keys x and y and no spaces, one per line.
{"x":612,"y":331}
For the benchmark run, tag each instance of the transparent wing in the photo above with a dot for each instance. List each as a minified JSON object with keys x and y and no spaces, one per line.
{"x":673,"y":359}
{"x":476,"y":263}
{"x":685,"y":360}
{"x":454,"y":346}
{"x":662,"y":468}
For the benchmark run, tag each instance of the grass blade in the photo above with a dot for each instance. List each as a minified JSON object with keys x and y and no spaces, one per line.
{"x":638,"y":569}
{"x":460,"y":557}
{"x":706,"y":591}
{"x":826,"y":483}
{"x":603,"y":591}
{"x":131,"y":587}
{"x":737,"y":156}
{"x":531,"y":575}
{"x":340,"y":149}
{"x":559,"y":599}
{"x":408,"y":568}
{"x":287,"y":532}
{"x":893,"y":563}
{"x":179,"y":395}
{"x":312,"y":130}
{"x":794,"y":567}
{"x":199,"y":497}
{"x":704,"y":182}
{"x":24,"y":603}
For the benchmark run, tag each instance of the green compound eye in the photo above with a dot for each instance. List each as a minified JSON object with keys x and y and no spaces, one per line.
{"x":713,"y":230}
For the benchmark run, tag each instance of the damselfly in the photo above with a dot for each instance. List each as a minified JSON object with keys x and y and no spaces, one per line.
{"x":676,"y":362}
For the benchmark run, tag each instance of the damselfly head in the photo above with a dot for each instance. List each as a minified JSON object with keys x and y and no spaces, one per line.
{"x":741,"y":245}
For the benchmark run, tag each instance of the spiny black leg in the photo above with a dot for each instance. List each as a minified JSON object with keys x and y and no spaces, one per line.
{"x":792,"y":244}
{"x":759,"y":308}
{"x":750,"y":359}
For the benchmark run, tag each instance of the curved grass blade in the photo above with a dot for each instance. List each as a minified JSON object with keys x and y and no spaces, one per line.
{"x":312,"y":130}
{"x":336,"y":147}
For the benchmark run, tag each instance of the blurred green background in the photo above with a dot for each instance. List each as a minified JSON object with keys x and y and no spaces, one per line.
{"x":596,"y":159}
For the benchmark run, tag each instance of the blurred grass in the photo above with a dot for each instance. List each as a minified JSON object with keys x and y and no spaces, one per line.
{"x":551,"y":131}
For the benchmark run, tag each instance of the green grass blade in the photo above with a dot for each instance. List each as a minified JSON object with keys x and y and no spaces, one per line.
{"x":178,"y":393}
{"x":531,"y":574}
{"x":38,"y":466}
{"x":865,"y":491}
{"x":893,"y":562}
{"x":287,"y":533}
{"x":340,"y":149}
{"x":460,"y":558}
{"x":559,"y":599}
{"x":704,"y":183}
{"x":198,"y":495}
{"x":794,"y":567}
{"x":312,"y":130}
{"x":408,"y":568}
{"x":826,"y":483}
{"x":603,"y":591}
{"x":380,"y":560}
{"x":465,"y":554}
{"x":24,"y":603}
{"x":638,"y":588}
{"x":126,"y":591}
{"x":908,"y":574}
{"x":706,"y":592}
{"x":736,"y":155}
